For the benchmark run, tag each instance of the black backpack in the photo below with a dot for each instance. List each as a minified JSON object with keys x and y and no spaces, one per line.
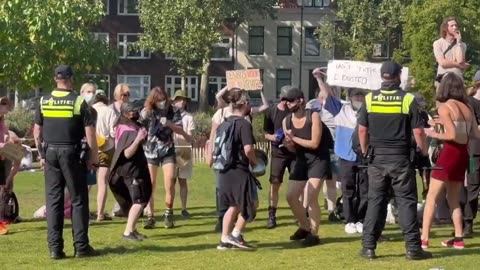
{"x":326,"y":142}
{"x":9,"y":210}
{"x":223,"y":147}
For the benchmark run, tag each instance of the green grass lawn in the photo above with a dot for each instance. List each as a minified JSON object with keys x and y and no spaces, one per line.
{"x":192,"y":244}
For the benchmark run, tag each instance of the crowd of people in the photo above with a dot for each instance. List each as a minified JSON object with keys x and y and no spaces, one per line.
{"x":370,"y":145}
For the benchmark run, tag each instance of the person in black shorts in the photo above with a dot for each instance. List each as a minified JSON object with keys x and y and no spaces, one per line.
{"x":304,"y":136}
{"x":237,"y":186}
{"x":130,"y":179}
{"x":281,"y":158}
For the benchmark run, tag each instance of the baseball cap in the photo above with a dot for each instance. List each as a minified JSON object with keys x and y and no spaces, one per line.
{"x":356,"y":92}
{"x":127,"y":107}
{"x":64,"y":71}
{"x":390,"y":69}
{"x":476,"y":78}
{"x":293,"y":93}
{"x":100,"y":92}
{"x":284,"y":90}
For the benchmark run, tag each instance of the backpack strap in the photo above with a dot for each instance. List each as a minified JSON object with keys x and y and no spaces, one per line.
{"x":275,"y":113}
{"x":288,"y":123}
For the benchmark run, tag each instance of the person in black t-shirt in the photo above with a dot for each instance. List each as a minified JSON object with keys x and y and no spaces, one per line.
{"x":470,"y":208}
{"x":281,"y":158}
{"x":237,"y":186}
{"x":130,"y":180}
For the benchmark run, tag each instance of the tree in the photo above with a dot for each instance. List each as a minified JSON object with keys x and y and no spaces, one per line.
{"x":37,"y":35}
{"x":187,"y":29}
{"x":360,"y":24}
{"x":421,"y":29}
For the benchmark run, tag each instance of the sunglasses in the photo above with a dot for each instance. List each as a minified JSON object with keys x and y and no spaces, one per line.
{"x":288,"y":100}
{"x":127,"y":94}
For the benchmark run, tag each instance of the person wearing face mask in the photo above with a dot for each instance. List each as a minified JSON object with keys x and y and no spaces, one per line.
{"x":87,"y":92}
{"x":237,"y":188}
{"x":281,"y":158}
{"x":306,"y":137}
{"x":129,"y":178}
{"x":354,"y":181}
{"x":183,"y":148}
{"x":159,"y":118}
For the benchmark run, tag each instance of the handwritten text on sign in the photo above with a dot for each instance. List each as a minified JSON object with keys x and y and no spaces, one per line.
{"x":244,"y":79}
{"x":356,"y":74}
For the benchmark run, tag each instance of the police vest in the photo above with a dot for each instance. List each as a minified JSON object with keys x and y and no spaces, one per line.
{"x":62,"y":121}
{"x":389,"y":118}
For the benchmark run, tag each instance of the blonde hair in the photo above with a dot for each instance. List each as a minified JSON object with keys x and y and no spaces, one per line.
{"x":87,"y":85}
{"x":119,"y":88}
{"x":471,"y":91}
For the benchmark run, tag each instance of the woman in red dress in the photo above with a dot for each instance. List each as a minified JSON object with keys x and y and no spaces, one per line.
{"x":459,"y":124}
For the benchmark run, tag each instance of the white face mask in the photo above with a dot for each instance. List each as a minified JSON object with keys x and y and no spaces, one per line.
{"x":161,"y":105}
{"x":88,"y":98}
{"x":357,"y":105}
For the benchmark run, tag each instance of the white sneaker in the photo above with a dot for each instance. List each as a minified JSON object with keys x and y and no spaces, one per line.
{"x":359,"y":227}
{"x":350,"y":228}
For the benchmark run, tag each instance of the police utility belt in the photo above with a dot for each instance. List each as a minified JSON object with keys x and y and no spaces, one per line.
{"x":82,"y":148}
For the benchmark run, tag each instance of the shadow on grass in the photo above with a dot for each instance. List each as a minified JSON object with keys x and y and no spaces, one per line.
{"x":180,"y":235}
{"x":155,"y":248}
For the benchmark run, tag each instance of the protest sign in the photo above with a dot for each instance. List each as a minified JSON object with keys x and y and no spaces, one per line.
{"x":244,"y":79}
{"x":356,"y":74}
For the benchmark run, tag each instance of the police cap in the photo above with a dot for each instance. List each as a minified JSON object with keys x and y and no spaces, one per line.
{"x":390,"y":70}
{"x":63,"y":72}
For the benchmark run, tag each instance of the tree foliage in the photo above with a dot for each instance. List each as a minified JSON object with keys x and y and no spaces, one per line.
{"x":421,"y":29}
{"x":184,"y":29}
{"x":360,"y":24}
{"x":37,"y":35}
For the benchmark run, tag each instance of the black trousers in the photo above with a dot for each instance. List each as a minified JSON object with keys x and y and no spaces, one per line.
{"x":472,"y":189}
{"x":396,"y":172}
{"x":64,"y":168}
{"x":354,"y":191}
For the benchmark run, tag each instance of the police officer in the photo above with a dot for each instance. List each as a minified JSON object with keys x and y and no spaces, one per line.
{"x":386,"y":121}
{"x":61,"y":121}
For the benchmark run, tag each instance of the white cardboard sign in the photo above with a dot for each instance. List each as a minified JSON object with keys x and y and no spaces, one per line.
{"x":357,"y":74}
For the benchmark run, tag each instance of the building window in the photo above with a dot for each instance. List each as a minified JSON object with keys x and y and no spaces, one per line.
{"x":106,"y":6}
{"x":222,"y":51}
{"x":316,"y":3}
{"x":104,"y":37}
{"x":173,"y":83}
{"x":381,"y":50}
{"x":312,"y":45}
{"x":102,"y":82}
{"x":127,"y":46}
{"x":127,"y":7}
{"x":284,"y":40}
{"x":256,"y":40}
{"x":139,"y":85}
{"x":284,"y":77}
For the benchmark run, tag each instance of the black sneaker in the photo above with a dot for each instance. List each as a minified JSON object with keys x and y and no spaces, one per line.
{"x":168,"y":219}
{"x":139,"y":235}
{"x":87,"y":252}
{"x":300,"y":234}
{"x":272,"y":221}
{"x":224,"y":246}
{"x":131,"y":237}
{"x":185,"y":213}
{"x":418,"y":255}
{"x":238,"y":242}
{"x":149,"y":223}
{"x":311,"y":240}
{"x":332,"y":217}
{"x":368,"y":253}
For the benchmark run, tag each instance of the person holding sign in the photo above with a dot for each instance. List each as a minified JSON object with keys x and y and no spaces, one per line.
{"x":386,"y":122}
